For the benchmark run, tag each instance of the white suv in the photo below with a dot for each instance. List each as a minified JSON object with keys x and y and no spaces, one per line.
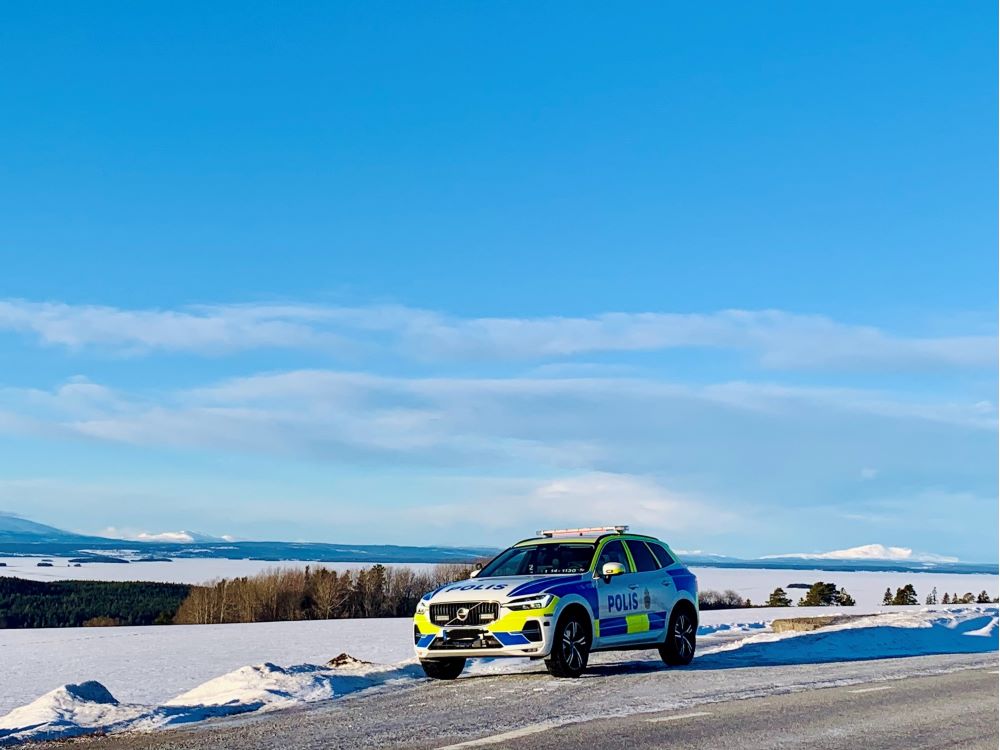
{"x":559,"y":596}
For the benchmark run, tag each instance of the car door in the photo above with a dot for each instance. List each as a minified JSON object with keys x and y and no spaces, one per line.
{"x":667,"y":582}
{"x":618,"y":598}
{"x":655,"y":591}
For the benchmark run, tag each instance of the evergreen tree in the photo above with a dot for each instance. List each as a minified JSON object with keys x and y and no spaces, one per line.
{"x":779,"y":598}
{"x":823,"y":594}
{"x":983,"y":598}
{"x":946,"y":599}
{"x":844,"y":599}
{"x":887,"y":599}
{"x":905,"y":596}
{"x":932,"y":597}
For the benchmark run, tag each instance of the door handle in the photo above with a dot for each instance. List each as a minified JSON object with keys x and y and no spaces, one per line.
{"x":667,"y":582}
{"x":633,"y":585}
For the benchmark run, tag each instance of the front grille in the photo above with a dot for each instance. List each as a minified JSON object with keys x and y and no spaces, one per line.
{"x":477,"y":613}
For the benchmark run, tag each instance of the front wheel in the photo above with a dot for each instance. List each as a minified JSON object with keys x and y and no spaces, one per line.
{"x":443,"y":669}
{"x":678,"y":648}
{"x":571,"y":647}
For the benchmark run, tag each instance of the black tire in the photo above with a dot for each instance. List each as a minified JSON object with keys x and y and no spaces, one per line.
{"x":443,"y":669}
{"x":678,"y":647}
{"x":570,"y":646}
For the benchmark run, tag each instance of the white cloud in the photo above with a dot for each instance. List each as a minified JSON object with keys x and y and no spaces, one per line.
{"x":775,"y":339}
{"x":869,"y":552}
{"x":584,"y":500}
{"x":627,"y":425}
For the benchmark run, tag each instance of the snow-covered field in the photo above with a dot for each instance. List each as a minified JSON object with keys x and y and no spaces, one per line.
{"x":73,"y":681}
{"x":756,"y":584}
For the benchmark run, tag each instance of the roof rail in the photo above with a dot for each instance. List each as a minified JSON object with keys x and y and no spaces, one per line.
{"x":581,"y":532}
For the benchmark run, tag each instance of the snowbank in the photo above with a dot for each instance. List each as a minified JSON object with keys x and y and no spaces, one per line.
{"x":89,"y":707}
{"x":908,"y":633}
{"x":66,"y":712}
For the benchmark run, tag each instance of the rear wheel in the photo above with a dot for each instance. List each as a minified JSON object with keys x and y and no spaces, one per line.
{"x":571,"y":647}
{"x":678,"y":648}
{"x":443,"y":669}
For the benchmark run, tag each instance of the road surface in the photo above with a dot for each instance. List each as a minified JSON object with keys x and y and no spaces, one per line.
{"x":916,"y":702}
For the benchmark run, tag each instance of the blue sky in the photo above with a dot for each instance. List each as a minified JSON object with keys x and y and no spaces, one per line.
{"x":447,"y":273}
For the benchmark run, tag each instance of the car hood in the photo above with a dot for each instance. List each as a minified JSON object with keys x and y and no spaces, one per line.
{"x":497,"y":589}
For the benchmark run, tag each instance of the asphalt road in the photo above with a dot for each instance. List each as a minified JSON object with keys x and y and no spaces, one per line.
{"x":954,"y":710}
{"x":916,"y":702}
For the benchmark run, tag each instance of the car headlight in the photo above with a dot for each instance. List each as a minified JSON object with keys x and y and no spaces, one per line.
{"x":531,"y":602}
{"x":421,"y":608}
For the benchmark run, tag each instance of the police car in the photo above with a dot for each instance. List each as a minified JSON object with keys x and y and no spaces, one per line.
{"x":560,"y":596}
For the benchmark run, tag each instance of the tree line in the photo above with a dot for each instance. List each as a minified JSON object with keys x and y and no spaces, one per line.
{"x":822,"y":594}
{"x":908,"y":595}
{"x":315,"y":594}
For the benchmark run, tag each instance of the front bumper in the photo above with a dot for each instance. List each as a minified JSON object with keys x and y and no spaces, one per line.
{"x":526,"y":633}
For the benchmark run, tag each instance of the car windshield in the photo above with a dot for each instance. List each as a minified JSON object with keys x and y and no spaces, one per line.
{"x":541,"y":560}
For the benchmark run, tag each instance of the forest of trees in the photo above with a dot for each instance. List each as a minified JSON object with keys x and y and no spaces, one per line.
{"x":60,"y":604}
{"x":315,"y":594}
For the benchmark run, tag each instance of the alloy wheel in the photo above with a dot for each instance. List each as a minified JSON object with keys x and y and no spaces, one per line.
{"x":684,"y":636}
{"x":574,"y":641}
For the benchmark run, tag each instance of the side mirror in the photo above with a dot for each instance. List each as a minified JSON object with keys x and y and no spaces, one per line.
{"x":612,"y":569}
{"x":475,"y":570}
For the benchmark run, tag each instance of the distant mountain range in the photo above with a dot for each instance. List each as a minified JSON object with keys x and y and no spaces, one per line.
{"x":20,"y":536}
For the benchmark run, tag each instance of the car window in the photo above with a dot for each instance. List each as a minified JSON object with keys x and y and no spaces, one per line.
{"x":662,"y":556}
{"x":541,"y":559}
{"x":612,"y":552}
{"x":642,"y":557}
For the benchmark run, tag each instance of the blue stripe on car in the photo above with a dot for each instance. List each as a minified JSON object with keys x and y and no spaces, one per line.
{"x":537,"y":587}
{"x":685,"y":580}
{"x":613,"y":626}
{"x":581,"y":586}
{"x":511,"y":639}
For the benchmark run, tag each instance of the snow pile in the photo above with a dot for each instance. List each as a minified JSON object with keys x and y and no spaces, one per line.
{"x":66,"y":712}
{"x":89,"y":708}
{"x":268,"y":686}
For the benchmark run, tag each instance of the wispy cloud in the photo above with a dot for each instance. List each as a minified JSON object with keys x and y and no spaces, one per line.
{"x":772,"y":338}
{"x":721,"y":434}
